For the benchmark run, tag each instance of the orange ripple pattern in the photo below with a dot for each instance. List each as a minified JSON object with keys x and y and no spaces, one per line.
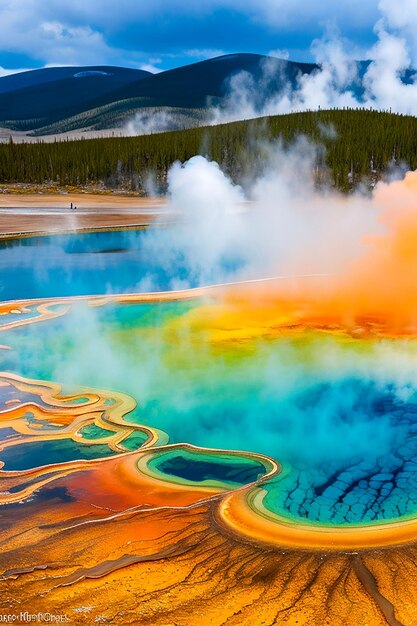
{"x":103,"y":542}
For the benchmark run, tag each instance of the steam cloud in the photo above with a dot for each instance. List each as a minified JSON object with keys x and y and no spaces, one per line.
{"x":281,"y":225}
{"x":273,"y":227}
{"x":365,"y":246}
{"x":149,"y":121}
{"x":386,"y":81}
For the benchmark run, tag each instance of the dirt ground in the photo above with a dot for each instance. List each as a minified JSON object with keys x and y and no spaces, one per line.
{"x":35,"y":213}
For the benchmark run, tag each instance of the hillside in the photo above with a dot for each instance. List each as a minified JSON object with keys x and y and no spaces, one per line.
{"x":360,"y":148}
{"x":31,"y":78}
{"x":37,"y":101}
{"x":36,"y":98}
{"x":192,"y":85}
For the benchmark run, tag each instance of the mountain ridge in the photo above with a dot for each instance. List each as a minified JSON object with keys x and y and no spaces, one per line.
{"x":92,"y":99}
{"x":29,"y":78}
{"x":44,"y":102}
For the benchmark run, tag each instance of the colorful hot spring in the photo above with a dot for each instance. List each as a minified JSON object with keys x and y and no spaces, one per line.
{"x":210,"y":446}
{"x":337,"y":412}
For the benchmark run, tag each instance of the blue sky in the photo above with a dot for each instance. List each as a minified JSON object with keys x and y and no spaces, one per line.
{"x":160,"y":34}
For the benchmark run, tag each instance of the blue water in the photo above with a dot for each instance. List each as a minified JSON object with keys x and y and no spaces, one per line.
{"x":340,"y":415}
{"x":343,"y":420}
{"x":29,"y":455}
{"x":83,"y":264}
{"x":147,"y":260}
{"x":193,"y":466}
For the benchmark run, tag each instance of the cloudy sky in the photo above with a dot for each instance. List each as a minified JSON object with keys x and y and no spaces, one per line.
{"x":160,"y":34}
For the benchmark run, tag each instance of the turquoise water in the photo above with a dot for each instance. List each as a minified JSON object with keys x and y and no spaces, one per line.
{"x":30,"y":455}
{"x":215,"y":468}
{"x":67,"y":265}
{"x":102,"y":263}
{"x":341,"y":415}
{"x":92,"y":431}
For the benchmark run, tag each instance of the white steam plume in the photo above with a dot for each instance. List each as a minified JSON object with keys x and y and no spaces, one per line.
{"x":276,"y":226}
{"x":386,"y":81}
{"x":290,"y":227}
{"x":151,"y":121}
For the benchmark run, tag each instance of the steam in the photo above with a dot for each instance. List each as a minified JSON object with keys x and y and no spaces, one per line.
{"x":151,"y":121}
{"x":307,"y":401}
{"x":281,"y":225}
{"x":203,"y":371}
{"x":273,"y":227}
{"x":386,"y":80}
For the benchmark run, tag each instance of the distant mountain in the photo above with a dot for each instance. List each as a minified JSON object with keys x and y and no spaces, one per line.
{"x":198,"y":84}
{"x":31,"y":78}
{"x":55,"y":100}
{"x":59,"y":100}
{"x":35,"y":98}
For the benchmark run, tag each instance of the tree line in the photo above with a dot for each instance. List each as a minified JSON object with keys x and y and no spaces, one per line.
{"x":354,"y":146}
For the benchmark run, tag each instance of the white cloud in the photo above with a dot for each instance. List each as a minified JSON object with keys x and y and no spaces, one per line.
{"x":30,"y":27}
{"x":205,"y":53}
{"x":279,"y":54}
{"x":59,"y":33}
{"x":51,"y":30}
{"x":148,"y":67}
{"x":78,"y":32}
{"x":6,"y":72}
{"x":276,"y":11}
{"x":281,"y":13}
{"x":336,"y":85}
{"x":401,"y":15}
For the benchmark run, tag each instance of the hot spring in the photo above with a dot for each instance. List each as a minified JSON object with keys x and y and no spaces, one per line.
{"x":235,"y":393}
{"x":338,"y":412}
